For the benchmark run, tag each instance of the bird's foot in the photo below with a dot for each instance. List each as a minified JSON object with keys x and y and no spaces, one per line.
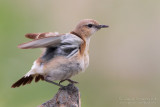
{"x":69,"y":80}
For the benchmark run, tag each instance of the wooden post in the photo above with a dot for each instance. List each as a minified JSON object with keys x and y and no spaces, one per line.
{"x":67,"y":96}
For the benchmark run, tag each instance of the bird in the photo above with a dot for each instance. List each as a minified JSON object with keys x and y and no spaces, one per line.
{"x":63,"y":56}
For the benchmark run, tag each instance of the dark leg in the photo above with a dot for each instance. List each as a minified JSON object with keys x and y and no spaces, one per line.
{"x":69,"y":80}
{"x":54,"y":83}
{"x":61,"y":82}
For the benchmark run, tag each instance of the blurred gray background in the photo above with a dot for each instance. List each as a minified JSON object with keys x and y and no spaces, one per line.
{"x":124,"y":66}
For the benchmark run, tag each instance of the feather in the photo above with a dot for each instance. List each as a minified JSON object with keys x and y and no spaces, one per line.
{"x":41,"y":43}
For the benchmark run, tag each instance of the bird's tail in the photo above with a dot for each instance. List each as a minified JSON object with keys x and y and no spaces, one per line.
{"x":27,"y":80}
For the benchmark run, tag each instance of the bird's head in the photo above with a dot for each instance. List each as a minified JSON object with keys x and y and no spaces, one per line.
{"x":87,"y":27}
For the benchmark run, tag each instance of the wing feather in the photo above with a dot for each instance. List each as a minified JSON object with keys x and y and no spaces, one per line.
{"x":41,"y":43}
{"x":40,"y":35}
{"x":51,"y":41}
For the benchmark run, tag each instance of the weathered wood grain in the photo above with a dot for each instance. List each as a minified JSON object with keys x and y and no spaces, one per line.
{"x":67,"y":96}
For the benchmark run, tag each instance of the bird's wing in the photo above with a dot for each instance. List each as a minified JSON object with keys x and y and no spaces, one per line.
{"x":67,"y":47}
{"x":40,"y":35}
{"x":52,"y":41}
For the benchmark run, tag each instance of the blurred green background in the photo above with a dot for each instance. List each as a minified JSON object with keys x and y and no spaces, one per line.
{"x":124,"y":66}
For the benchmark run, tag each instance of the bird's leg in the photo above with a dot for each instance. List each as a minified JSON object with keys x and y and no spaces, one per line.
{"x":54,"y":83}
{"x":69,"y":80}
{"x":61,"y":81}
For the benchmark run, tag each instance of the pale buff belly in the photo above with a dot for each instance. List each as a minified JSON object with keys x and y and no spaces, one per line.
{"x":63,"y":69}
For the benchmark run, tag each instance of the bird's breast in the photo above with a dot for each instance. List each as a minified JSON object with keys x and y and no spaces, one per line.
{"x":86,"y":60}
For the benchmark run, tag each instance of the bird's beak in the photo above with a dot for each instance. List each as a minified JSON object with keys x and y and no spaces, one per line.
{"x":101,"y":26}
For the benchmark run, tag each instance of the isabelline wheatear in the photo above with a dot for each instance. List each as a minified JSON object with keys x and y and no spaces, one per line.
{"x":64,"y":56}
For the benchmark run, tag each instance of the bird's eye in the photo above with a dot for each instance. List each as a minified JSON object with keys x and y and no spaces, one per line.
{"x":90,"y":25}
